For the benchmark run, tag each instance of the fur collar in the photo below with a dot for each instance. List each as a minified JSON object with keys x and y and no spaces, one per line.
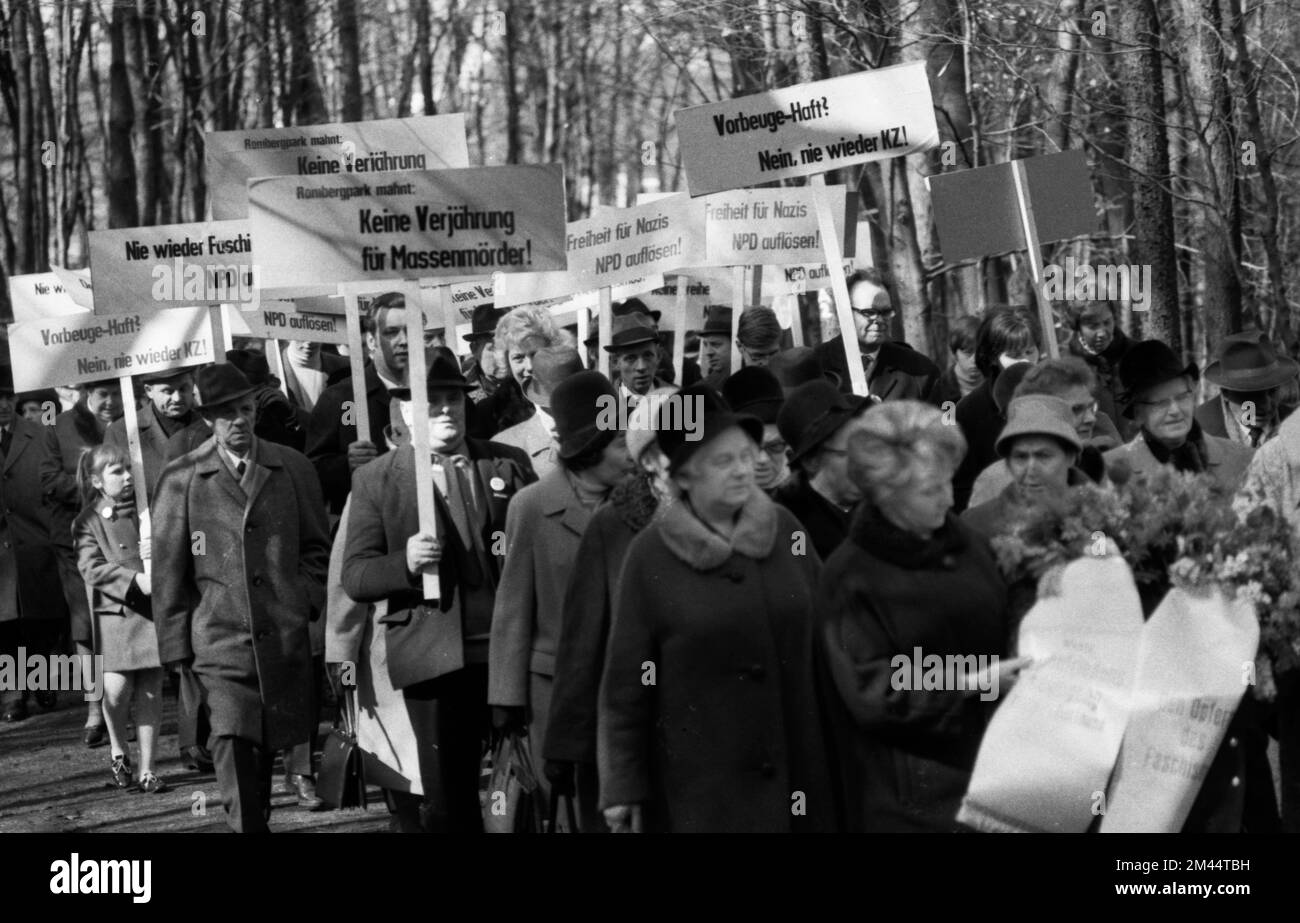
{"x":703,"y":549}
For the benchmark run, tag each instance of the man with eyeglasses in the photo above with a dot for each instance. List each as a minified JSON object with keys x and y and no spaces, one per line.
{"x":817,"y":421}
{"x":1159,"y":395}
{"x":894,"y":371}
{"x":1073,"y":381}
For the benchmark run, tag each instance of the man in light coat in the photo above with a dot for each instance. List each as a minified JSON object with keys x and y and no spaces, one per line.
{"x":240,"y":552}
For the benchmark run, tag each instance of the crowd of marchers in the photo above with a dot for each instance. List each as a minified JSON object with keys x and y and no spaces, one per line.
{"x":690,"y":621}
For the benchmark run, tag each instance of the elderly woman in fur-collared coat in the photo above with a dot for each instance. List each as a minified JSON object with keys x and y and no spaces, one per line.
{"x":708,"y":715}
{"x":910,"y":575}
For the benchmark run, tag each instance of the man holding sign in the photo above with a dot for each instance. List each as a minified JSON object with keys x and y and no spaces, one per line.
{"x":437,"y":650}
{"x":241,"y":549}
{"x":168,"y":409}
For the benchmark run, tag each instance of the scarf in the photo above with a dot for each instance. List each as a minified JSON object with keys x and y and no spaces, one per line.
{"x":636,"y":501}
{"x":1189,"y":457}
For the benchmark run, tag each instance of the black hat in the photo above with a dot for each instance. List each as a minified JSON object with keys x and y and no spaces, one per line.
{"x":631,"y":330}
{"x":717,"y":321}
{"x":220,"y":384}
{"x":634,"y":306}
{"x":483,"y":323}
{"x":577,"y":405}
{"x":443,"y":371}
{"x":1248,"y":362}
{"x":166,"y":375}
{"x":717,"y":417}
{"x":6,"y":379}
{"x":252,"y":364}
{"x":756,"y":391}
{"x":813,"y":412}
{"x":794,"y":367}
{"x":1146,"y":365}
{"x":43,"y":396}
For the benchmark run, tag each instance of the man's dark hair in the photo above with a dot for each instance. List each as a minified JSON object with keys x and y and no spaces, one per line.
{"x":962,"y":334}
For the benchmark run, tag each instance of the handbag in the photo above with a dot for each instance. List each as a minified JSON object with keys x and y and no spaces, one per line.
{"x":513,"y":800}
{"x":341,"y":782}
{"x":570,"y":814}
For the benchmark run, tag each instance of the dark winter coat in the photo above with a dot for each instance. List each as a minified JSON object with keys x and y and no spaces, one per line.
{"x":825,"y":523}
{"x":905,"y":756}
{"x":328,"y":436}
{"x":238,"y":605}
{"x":899,"y":371}
{"x":729,"y":732}
{"x":30,"y":543}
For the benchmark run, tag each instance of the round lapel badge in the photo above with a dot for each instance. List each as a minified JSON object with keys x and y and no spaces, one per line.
{"x":497,"y":484}
{"x":107,"y":512}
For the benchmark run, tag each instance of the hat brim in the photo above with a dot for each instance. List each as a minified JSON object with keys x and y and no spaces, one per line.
{"x":1255,"y":379}
{"x":713,"y":425}
{"x":1128,"y":400}
{"x":766,"y":409}
{"x":1003,"y":445}
{"x":823,"y":429}
{"x":652,"y":338}
{"x":226,"y":399}
{"x":404,"y":393}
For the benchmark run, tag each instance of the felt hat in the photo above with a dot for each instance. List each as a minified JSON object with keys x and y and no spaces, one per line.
{"x":634,"y":306}
{"x":551,"y":365}
{"x":483,"y":323}
{"x":252,"y":364}
{"x":1248,"y":362}
{"x":220,"y":384}
{"x":1039,"y":415}
{"x":754,"y":390}
{"x":577,"y":405}
{"x":166,"y":375}
{"x":631,"y":330}
{"x":717,"y":321}
{"x":794,"y":367}
{"x":813,"y":412}
{"x":1146,"y":365}
{"x":443,"y":371}
{"x":712,"y":418}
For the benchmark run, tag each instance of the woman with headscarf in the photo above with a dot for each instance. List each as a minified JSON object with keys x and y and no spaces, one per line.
{"x":708,"y":716}
{"x":911,"y":581}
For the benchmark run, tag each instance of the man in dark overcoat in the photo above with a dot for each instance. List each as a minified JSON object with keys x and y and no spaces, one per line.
{"x":240,"y":552}
{"x":437,"y":651}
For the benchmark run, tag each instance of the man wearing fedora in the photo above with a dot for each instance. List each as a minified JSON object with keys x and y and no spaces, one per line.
{"x":240,"y":551}
{"x":1250,"y":374}
{"x":715,"y":344}
{"x":817,"y":421}
{"x":544,"y":527}
{"x":436,"y":650}
{"x":1159,"y":395}
{"x":893,"y":370}
{"x":634,"y":358}
{"x":482,"y":328}
{"x":536,"y":435}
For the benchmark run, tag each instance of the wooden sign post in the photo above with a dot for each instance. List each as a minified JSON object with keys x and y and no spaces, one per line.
{"x":417,"y":373}
{"x":679,"y":330}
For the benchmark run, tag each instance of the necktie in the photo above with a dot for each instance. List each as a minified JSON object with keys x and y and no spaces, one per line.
{"x":460,"y":501}
{"x":240,"y":469}
{"x":1256,"y":434}
{"x":6,"y":439}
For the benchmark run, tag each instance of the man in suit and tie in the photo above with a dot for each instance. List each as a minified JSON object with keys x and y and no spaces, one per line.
{"x":437,"y":650}
{"x":240,"y":552}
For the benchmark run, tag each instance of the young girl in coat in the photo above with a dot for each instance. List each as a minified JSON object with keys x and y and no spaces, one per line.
{"x":109,"y":555}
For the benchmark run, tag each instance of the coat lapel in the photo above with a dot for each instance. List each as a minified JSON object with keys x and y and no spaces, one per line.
{"x":559,"y":501}
{"x":21,"y":437}
{"x":211,"y":466}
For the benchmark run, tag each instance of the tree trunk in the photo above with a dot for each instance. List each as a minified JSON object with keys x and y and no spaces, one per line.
{"x":1059,"y":95}
{"x":119,"y":178}
{"x":305,"y":92}
{"x":1142,"y":82}
{"x":513,"y":139}
{"x":350,"y":61}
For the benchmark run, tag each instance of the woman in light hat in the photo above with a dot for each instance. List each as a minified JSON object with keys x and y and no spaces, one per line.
{"x":570,"y":747}
{"x":708,"y":718}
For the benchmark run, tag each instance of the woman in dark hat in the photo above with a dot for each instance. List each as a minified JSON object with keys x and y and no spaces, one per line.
{"x":911,"y":580}
{"x":755,"y":391}
{"x":1160,"y":396}
{"x":708,"y":715}
{"x":544,"y":524}
{"x":1250,"y":376}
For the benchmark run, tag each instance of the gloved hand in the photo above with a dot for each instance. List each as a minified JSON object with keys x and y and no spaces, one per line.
{"x":508,"y":719}
{"x":561,"y":774}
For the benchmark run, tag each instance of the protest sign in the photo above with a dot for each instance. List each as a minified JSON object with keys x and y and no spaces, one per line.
{"x":76,"y":282}
{"x":795,"y":280}
{"x":172,"y":265}
{"x":40,"y":295}
{"x":1015,"y":206}
{"x":1048,"y":752}
{"x":806,"y":129}
{"x":428,"y":142}
{"x":538,"y":287}
{"x":1196,"y":656}
{"x":272,"y":322}
{"x":89,"y":347}
{"x":430,"y":223}
{"x":772,"y":226}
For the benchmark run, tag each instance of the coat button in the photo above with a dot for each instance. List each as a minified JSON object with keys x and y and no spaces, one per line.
{"x":768,"y":770}
{"x":257,"y":581}
{"x":1232,"y":741}
{"x":758,"y":672}
{"x":1236,"y":781}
